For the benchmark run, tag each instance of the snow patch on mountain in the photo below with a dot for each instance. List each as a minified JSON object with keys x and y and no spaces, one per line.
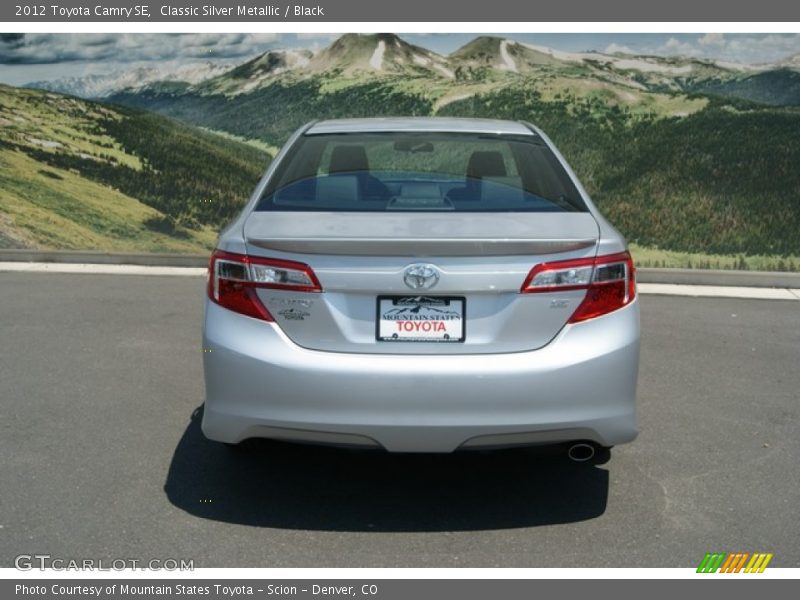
{"x":508,"y":61}
{"x":445,"y":71}
{"x":640,"y":63}
{"x":421,"y":60}
{"x":376,"y":60}
{"x":619,"y":62}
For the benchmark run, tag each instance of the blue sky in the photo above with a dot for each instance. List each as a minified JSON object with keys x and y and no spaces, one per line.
{"x":31,"y":57}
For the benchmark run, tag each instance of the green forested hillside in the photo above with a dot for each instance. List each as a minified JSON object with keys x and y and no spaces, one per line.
{"x":78,"y":174}
{"x":779,"y":87}
{"x":697,"y":174}
{"x":721,"y":180}
{"x":291,"y":104}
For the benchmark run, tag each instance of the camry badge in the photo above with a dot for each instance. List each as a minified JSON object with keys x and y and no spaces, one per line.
{"x":421,"y":276}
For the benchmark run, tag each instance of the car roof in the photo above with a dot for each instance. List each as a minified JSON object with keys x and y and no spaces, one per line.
{"x":496,"y":126}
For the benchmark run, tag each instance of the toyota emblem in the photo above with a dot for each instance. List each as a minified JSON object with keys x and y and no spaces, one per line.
{"x":421,"y":276}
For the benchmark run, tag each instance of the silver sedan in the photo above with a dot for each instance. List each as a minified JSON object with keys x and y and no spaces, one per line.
{"x":422,"y":285}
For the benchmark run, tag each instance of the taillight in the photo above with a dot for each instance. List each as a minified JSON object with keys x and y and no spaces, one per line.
{"x":234,"y":278}
{"x":608,"y":280}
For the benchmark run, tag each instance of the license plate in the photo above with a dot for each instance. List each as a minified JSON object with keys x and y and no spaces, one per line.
{"x":420,"y":319}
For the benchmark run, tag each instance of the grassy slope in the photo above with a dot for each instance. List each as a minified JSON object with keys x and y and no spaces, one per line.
{"x":52,"y":208}
{"x":81,"y":175}
{"x":645,"y":256}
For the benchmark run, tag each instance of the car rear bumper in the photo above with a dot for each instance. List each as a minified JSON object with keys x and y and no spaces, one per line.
{"x":581,"y":386}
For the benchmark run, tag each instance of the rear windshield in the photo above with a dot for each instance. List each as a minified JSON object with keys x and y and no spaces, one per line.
{"x":430,"y":171}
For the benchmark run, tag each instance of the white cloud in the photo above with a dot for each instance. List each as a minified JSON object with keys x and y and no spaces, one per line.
{"x":50,"y":48}
{"x":760,"y":49}
{"x":310,"y":35}
{"x":712,"y":39}
{"x":739,"y":48}
{"x":613,"y":48}
{"x":675,"y":46}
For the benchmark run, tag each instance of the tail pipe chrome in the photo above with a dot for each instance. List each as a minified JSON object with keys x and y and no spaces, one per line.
{"x":581,"y":452}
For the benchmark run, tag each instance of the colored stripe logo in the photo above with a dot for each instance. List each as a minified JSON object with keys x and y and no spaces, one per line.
{"x":737,"y":562}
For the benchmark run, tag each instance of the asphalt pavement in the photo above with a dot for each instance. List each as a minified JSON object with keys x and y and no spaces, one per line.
{"x":101,"y":454}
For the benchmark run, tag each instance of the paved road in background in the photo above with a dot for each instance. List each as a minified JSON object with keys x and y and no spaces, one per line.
{"x":101,"y":454}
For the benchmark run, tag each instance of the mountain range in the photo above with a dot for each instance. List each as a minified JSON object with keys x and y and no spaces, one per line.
{"x":102,"y":85}
{"x":484,"y":58}
{"x":682,"y":154}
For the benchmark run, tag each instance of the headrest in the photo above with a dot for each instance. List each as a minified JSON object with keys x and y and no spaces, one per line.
{"x":486,"y":164}
{"x":348,"y":159}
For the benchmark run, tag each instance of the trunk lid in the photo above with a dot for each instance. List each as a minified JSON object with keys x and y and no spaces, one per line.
{"x":482,"y":260}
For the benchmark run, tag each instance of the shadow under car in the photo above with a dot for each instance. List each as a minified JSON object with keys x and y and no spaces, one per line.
{"x":274,"y":484}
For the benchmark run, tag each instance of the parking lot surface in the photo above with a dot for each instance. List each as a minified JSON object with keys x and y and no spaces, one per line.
{"x":101,"y":454}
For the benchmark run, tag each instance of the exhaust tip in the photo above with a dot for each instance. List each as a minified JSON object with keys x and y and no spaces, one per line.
{"x":581,"y":452}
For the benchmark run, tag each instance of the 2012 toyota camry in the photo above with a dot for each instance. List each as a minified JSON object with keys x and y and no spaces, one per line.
{"x":421,"y":285}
